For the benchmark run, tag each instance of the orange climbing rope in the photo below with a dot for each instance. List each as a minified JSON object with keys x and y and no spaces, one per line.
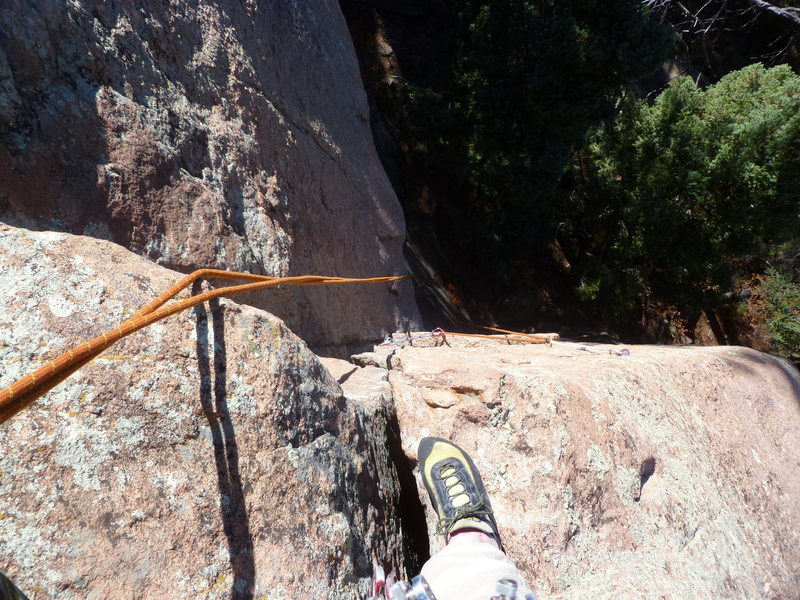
{"x":522,"y":337}
{"x":23,"y":392}
{"x":530,"y":338}
{"x":533,"y":337}
{"x":512,"y":336}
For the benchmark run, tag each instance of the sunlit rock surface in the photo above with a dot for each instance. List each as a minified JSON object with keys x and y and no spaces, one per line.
{"x":669,"y":473}
{"x":213,"y":455}
{"x":218,"y":134}
{"x":208,"y":456}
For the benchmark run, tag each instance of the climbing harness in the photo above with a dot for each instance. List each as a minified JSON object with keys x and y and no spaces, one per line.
{"x":26,"y":390}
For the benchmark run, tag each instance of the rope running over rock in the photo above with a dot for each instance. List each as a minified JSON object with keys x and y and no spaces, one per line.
{"x":23,"y":392}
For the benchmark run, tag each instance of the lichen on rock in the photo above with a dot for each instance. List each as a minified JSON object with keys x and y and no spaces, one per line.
{"x":204,"y":469}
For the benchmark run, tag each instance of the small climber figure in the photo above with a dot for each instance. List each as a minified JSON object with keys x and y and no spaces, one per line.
{"x":473,"y":564}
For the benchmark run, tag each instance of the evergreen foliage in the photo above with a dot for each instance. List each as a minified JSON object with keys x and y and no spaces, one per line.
{"x":521,"y":83}
{"x":685,"y":188}
{"x":780,"y":294}
{"x":663,"y":205}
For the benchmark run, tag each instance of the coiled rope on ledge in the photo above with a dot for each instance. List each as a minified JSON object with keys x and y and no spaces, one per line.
{"x":510,"y":336}
{"x":23,"y":392}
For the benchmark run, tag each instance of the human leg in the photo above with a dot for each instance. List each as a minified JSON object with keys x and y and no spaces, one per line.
{"x":473,"y":561}
{"x":469,"y":567}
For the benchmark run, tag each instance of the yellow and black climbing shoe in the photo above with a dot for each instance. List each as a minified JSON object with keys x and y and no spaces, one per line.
{"x":455,"y":488}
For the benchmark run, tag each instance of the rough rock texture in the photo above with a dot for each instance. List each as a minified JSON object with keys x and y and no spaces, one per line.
{"x":198,"y":133}
{"x":214,"y":456}
{"x":208,"y":456}
{"x":669,"y":473}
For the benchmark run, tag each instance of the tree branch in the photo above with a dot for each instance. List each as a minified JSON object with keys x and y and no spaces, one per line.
{"x":793,"y":14}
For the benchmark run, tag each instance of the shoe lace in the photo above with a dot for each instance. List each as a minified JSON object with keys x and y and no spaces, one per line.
{"x":479,"y":511}
{"x":450,"y":470}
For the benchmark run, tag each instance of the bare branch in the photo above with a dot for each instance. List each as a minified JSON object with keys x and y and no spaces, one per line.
{"x":793,"y":14}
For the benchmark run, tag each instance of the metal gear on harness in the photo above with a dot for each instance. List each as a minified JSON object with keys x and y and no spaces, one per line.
{"x":388,"y":588}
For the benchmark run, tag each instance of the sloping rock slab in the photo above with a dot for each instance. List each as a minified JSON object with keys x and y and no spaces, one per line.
{"x":209,"y":456}
{"x":669,"y":473}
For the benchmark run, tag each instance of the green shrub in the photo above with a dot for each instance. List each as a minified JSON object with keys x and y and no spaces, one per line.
{"x":687,"y":186}
{"x":520,"y":83}
{"x":780,"y":294}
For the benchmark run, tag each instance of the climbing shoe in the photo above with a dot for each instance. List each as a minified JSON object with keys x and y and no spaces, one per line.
{"x":455,"y":488}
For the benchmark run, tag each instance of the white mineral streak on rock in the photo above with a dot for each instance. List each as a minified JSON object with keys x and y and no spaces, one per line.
{"x":598,"y":462}
{"x":60,"y":306}
{"x":82,"y":451}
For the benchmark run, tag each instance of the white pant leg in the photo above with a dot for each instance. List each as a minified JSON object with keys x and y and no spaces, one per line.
{"x":468,"y":569}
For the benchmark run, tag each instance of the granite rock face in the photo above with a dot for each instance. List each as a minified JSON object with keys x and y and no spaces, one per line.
{"x":669,"y":473}
{"x":214,"y":456}
{"x":208,"y":456}
{"x":218,"y":134}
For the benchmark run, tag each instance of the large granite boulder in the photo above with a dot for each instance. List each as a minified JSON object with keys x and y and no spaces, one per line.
{"x":218,"y":134}
{"x":213,"y":456}
{"x":208,"y":456}
{"x":669,"y":473}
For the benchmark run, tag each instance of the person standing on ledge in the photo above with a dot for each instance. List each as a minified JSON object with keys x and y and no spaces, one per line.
{"x":473,"y":564}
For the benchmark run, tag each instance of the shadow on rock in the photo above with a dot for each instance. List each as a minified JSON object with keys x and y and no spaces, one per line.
{"x":213,"y":392}
{"x":416,"y":538}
